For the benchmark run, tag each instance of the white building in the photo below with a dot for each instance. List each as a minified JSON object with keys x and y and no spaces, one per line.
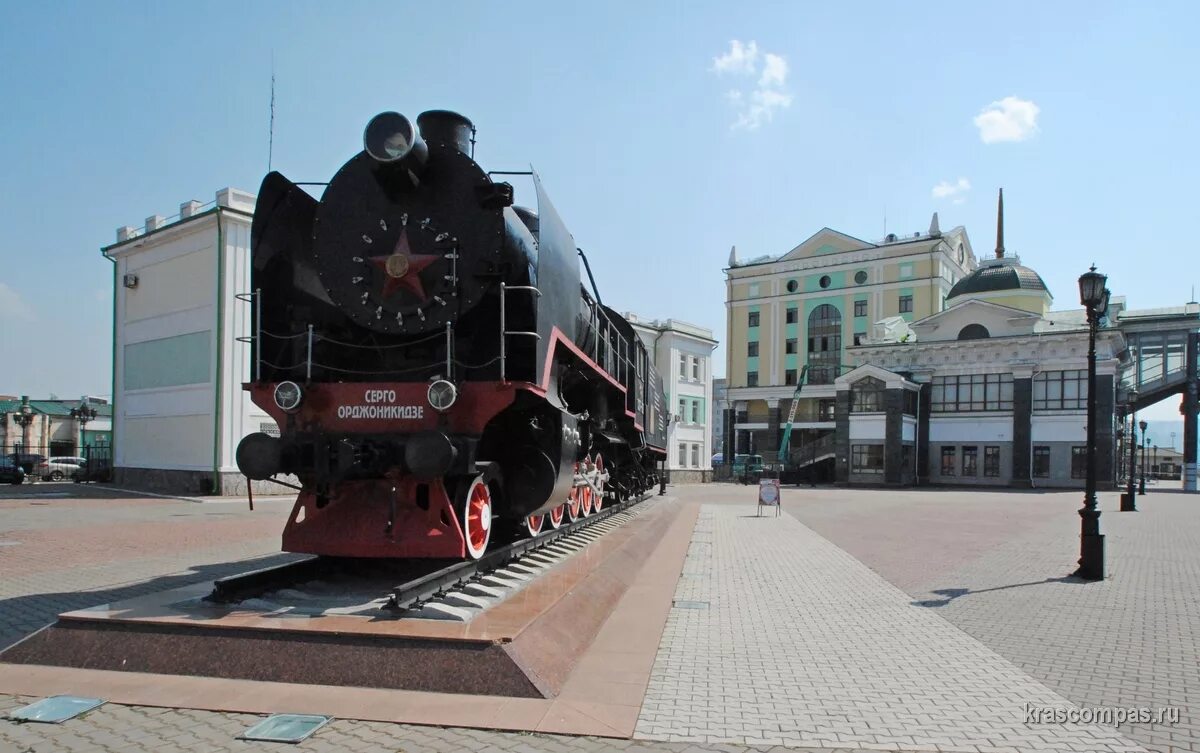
{"x":178,"y":365}
{"x":682,"y":354}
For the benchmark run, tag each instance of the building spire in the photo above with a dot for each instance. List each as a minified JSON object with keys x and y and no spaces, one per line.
{"x":1000,"y":226}
{"x":934,"y":230}
{"x":733,"y":256}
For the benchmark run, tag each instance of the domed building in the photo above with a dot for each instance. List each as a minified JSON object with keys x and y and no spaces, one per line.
{"x":992,"y":390}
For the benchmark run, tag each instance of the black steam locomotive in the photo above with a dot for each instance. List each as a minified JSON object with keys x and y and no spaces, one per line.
{"x":432,"y":359}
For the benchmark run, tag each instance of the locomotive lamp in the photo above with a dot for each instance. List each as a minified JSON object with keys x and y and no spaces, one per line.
{"x":390,"y":138}
{"x":442,"y":395}
{"x":1094,"y":296}
{"x":288,"y":396}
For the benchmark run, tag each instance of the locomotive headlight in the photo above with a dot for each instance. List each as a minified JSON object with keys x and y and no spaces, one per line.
{"x":390,"y":137}
{"x":288,"y":396}
{"x":442,"y":395}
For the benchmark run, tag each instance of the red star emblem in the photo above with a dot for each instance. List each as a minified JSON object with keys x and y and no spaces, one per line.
{"x":402,"y":268}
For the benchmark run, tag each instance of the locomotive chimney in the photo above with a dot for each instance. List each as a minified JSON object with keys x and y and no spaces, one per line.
{"x":449,"y":128}
{"x":390,"y":139}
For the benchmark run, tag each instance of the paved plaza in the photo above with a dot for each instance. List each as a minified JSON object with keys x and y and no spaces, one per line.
{"x":891,"y":620}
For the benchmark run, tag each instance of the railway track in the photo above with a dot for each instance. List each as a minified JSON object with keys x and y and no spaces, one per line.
{"x":449,"y":592}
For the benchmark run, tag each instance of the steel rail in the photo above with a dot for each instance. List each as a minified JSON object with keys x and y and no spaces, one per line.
{"x":427,"y":587}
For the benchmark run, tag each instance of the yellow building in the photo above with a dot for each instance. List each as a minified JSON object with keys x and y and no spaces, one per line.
{"x":803,"y":308}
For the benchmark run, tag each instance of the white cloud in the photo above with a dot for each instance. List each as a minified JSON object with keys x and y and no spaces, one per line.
{"x":756,"y":105}
{"x":1010,"y":119}
{"x":13,"y":306}
{"x":740,"y":58}
{"x":775,"y":70}
{"x":956,"y":192}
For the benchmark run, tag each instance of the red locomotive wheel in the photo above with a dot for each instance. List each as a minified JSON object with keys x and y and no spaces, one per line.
{"x":533,"y":524}
{"x":585,"y":498}
{"x":555,"y":517}
{"x":598,"y":498}
{"x":477,"y":518}
{"x":575,"y":501}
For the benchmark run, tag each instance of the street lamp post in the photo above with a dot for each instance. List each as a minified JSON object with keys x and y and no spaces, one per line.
{"x":1094,"y":296}
{"x":83,"y":414}
{"x":24,"y":417}
{"x":1129,"y":498}
{"x":1142,"y":483}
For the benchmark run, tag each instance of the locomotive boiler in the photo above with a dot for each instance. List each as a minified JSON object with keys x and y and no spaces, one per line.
{"x":439,"y":373}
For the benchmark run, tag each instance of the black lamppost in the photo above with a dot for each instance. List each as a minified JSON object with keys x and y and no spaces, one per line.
{"x":24,"y":417}
{"x":83,"y":414}
{"x":1142,"y":483}
{"x":1094,"y":296}
{"x":1129,"y":498}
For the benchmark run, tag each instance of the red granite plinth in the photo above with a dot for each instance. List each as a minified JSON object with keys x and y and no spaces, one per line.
{"x":524,"y":647}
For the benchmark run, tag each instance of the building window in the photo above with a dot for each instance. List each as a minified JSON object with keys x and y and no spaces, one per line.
{"x":752,"y":319}
{"x":825,"y":281}
{"x":949,"y":460}
{"x":752,"y":348}
{"x":910,"y":403}
{"x":824,"y":344}
{"x":752,"y":379}
{"x":789,"y":377}
{"x":1060,"y":390}
{"x":860,"y":277}
{"x":1041,"y":462}
{"x":906,"y":270}
{"x":972,"y":392}
{"x":906,"y":304}
{"x":826,"y":410}
{"x":682,"y":410}
{"x":697,"y":369}
{"x":866,"y":395}
{"x":860,"y":308}
{"x":1079,"y":462}
{"x":792,"y":286}
{"x":866,"y":458}
{"x":695,"y":456}
{"x":991,"y":461}
{"x":695,"y":411}
{"x":793,"y":316}
{"x":790,"y":345}
{"x":682,"y":454}
{"x":970,"y":461}
{"x":974,"y":332}
{"x":859,"y":337}
{"x":682,"y":366}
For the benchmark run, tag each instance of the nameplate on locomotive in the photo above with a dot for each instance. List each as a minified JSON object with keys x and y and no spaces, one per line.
{"x":380,"y":404}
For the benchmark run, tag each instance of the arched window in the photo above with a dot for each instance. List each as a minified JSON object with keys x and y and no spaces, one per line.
{"x":866,"y":395}
{"x":824,"y":344}
{"x":974,"y":332}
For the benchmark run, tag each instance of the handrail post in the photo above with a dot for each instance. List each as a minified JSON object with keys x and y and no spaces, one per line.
{"x":448,"y":345}
{"x":258,"y":334}
{"x":503,"y":333}
{"x":308,"y":360}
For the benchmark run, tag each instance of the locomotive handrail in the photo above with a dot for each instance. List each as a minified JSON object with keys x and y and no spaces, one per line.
{"x":504,"y":333}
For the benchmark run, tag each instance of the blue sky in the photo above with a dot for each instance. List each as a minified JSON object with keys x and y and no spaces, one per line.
{"x":845,"y":113}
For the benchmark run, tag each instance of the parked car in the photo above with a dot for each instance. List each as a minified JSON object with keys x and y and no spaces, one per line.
{"x":97,"y":470}
{"x":60,"y":467}
{"x":27,"y":461}
{"x":10,"y":472}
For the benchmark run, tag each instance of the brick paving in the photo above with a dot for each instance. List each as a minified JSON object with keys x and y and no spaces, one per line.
{"x":1131,"y":641}
{"x":962,"y":559}
{"x":800,"y":644}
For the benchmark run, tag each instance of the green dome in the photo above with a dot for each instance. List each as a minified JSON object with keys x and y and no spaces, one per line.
{"x":998,"y":277}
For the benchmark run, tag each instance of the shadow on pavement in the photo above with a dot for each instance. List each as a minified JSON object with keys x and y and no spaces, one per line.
{"x":22,"y":615}
{"x":950,"y":594}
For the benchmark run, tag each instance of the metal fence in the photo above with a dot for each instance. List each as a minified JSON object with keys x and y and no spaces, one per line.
{"x":60,"y":461}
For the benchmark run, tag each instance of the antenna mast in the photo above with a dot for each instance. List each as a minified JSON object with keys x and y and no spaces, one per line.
{"x":271,"y":134}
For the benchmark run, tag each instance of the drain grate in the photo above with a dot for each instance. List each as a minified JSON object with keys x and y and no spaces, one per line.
{"x":678,"y":604}
{"x":285,"y":728}
{"x":55,"y":709}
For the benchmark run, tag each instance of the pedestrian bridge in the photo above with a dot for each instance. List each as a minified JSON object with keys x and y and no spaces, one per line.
{"x":1160,"y":343}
